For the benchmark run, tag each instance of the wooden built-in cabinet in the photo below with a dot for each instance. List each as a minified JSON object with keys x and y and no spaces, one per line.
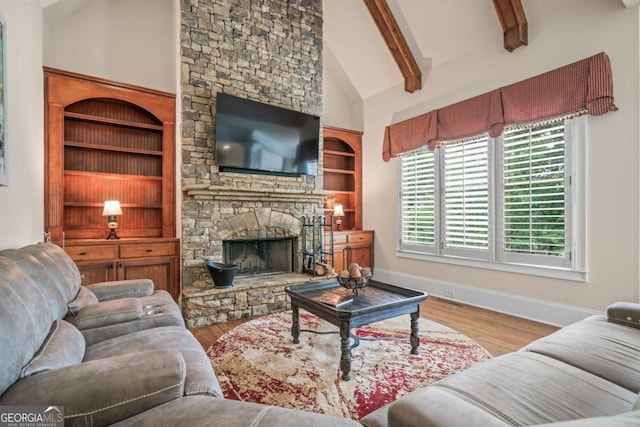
{"x":352,"y":246}
{"x":111,"y":141}
{"x":104,"y":260}
{"x":342,"y":176}
{"x":342,"y":162}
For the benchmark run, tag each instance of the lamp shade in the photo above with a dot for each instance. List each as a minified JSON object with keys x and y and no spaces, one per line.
{"x":338,"y":210}
{"x":112,"y":208}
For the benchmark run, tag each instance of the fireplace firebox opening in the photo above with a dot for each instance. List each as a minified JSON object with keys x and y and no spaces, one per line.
{"x":260,"y":256}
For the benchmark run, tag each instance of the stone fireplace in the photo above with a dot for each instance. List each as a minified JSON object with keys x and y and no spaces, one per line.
{"x":266,"y":51}
{"x":255,"y":223}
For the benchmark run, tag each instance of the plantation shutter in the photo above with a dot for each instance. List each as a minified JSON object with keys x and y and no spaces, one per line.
{"x":534,"y":191}
{"x":466,"y":198}
{"x":418,"y":199}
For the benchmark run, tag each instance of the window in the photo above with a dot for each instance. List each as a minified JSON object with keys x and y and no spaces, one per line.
{"x":418,"y":200}
{"x":466,"y":198}
{"x":515,"y":202}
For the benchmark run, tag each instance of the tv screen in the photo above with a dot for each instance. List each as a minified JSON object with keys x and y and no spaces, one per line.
{"x":253,"y":136}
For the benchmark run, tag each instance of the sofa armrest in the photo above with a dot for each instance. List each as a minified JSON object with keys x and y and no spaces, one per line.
{"x":105,"y":391}
{"x":136,"y":288}
{"x":84,"y":298}
{"x":625,"y":313}
{"x":107,"y":313}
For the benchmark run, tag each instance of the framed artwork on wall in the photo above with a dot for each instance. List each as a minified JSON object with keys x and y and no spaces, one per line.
{"x":4,"y":165}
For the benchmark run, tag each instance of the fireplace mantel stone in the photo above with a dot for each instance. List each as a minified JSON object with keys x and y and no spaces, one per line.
{"x":223,"y":192}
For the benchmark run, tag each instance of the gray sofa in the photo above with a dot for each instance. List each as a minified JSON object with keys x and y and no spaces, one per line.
{"x":111,"y":353}
{"x":586,"y":374}
{"x":118,"y":353}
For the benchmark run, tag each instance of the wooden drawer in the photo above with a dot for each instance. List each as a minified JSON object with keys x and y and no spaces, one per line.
{"x":364,"y":237}
{"x":91,"y":253}
{"x":147,"y":249}
{"x":339,"y":239}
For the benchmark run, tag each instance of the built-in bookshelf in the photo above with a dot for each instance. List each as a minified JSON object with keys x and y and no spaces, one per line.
{"x":342,"y":162}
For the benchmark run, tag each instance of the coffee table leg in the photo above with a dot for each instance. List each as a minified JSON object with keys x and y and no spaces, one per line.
{"x":414,"y":339}
{"x":345,"y":358}
{"x":295,"y":327}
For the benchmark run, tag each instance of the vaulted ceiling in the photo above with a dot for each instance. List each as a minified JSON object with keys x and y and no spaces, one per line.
{"x":437,"y":31}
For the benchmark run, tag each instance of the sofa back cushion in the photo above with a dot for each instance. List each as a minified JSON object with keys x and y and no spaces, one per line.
{"x":52,"y":270}
{"x":54,"y":298}
{"x":61,"y":267}
{"x":64,"y":346}
{"x":608,"y":350}
{"x":25,"y":322}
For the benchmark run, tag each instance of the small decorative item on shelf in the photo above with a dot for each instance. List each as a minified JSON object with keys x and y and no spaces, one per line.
{"x":338,"y":213}
{"x":330,"y":202}
{"x":355,"y":278}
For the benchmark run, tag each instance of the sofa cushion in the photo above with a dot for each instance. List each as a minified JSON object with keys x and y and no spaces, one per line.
{"x":608,"y":350}
{"x":200,"y":378}
{"x":522,"y":388}
{"x":84,"y":298}
{"x":134,"y":288}
{"x":628,"y":419}
{"x":200,"y":411}
{"x":158,"y":310}
{"x":107,"y":313}
{"x":64,"y":346}
{"x":25,"y":323}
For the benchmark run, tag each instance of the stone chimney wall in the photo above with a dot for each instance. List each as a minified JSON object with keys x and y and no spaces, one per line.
{"x":268,"y":51}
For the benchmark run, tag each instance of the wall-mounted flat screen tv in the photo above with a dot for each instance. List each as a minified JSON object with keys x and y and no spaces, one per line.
{"x":256,"y":137}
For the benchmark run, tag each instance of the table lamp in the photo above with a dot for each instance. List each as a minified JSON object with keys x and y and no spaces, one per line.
{"x":111,"y":209}
{"x":338,"y":213}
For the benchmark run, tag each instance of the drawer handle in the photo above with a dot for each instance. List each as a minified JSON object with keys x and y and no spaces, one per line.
{"x":82,"y":253}
{"x":149,"y":250}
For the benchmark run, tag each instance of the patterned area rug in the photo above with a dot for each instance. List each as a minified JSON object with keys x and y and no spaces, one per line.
{"x":257,"y":362}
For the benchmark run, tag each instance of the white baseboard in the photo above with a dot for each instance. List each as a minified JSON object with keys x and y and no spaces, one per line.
{"x":528,"y":308}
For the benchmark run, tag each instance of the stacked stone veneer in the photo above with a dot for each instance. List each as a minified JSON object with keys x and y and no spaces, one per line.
{"x":247,"y":298}
{"x":267,"y":51}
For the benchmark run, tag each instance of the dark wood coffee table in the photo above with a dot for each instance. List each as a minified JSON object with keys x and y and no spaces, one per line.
{"x":378,"y":301}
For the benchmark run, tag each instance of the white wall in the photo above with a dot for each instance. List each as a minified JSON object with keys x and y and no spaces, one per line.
{"x":337,"y":109}
{"x":122,"y":40}
{"x":22,"y":203}
{"x":582,"y":29}
{"x":341,"y":103}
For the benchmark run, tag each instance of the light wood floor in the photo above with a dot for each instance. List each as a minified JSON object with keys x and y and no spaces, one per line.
{"x":498,"y":333}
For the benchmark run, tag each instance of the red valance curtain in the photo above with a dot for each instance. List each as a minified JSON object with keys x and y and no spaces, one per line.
{"x":583,"y":86}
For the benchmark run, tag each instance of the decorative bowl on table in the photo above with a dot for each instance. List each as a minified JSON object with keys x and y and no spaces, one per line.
{"x":355,"y":278}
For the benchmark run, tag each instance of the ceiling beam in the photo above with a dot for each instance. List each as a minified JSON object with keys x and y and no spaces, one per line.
{"x":513,"y":22}
{"x":392,"y":35}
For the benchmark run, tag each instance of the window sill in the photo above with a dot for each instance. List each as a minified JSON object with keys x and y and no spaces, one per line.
{"x":531,"y":270}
